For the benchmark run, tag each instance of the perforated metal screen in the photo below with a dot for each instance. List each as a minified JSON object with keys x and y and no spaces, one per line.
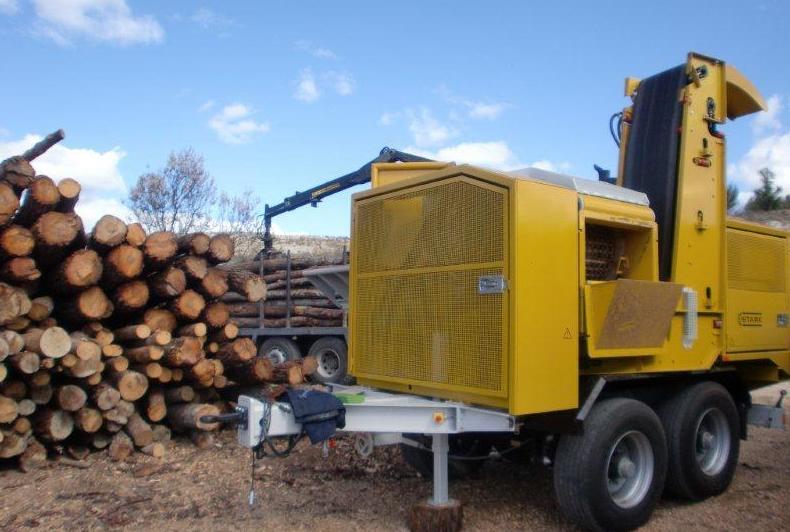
{"x":418,"y":316}
{"x":755,"y":262}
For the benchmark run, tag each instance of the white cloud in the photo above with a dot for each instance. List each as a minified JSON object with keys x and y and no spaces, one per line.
{"x":306,"y":88}
{"x":318,"y":52}
{"x":495,"y":154}
{"x":428,"y":131}
{"x":550,"y":166}
{"x":342,"y":82}
{"x":771,"y":152}
{"x":103,"y":187}
{"x":234,"y":124}
{"x":209,"y":20}
{"x":99,"y":20}
{"x":9,"y":7}
{"x":485,"y":110}
{"x":769,"y":119}
{"x":206,"y":106}
{"x":387,"y":119}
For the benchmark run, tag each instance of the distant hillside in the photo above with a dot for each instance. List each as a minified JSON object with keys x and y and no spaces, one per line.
{"x":327,"y":248}
{"x":779,"y":218}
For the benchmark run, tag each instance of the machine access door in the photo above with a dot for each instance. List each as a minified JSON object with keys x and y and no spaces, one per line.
{"x":429,"y":300}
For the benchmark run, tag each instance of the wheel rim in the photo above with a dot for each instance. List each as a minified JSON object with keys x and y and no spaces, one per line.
{"x":712,"y":441}
{"x":276,"y":355}
{"x":630,"y":469}
{"x":328,"y":363}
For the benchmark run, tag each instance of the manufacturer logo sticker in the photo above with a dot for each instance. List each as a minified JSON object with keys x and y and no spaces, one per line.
{"x":750,"y":319}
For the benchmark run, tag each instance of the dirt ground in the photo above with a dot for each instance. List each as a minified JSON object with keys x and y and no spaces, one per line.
{"x":207,"y":490}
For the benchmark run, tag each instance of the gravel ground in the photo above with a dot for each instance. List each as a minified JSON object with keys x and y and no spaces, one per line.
{"x":207,"y":490}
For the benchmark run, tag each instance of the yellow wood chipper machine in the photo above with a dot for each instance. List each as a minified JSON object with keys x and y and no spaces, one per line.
{"x":612,"y":329}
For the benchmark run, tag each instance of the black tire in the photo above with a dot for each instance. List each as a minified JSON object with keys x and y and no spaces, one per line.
{"x":279,"y":350}
{"x":466,"y":445}
{"x":586,"y":467}
{"x":332,"y":355}
{"x":702,"y":425}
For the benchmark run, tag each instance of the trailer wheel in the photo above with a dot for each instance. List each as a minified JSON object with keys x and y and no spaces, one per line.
{"x":332,"y":356}
{"x":465,"y":445}
{"x":703,"y":437}
{"x":279,"y":350}
{"x":610,"y":477}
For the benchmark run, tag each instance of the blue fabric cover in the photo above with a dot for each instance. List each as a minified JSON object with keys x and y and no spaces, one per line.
{"x":310,"y":407}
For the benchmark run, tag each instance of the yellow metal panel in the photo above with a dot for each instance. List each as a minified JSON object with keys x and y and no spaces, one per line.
{"x":387,"y":173}
{"x":743,"y":98}
{"x":418,"y":321}
{"x":545,"y":299}
{"x":757,"y":296}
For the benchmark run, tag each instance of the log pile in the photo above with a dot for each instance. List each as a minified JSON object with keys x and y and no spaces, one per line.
{"x":309,"y":307}
{"x":112,"y":338}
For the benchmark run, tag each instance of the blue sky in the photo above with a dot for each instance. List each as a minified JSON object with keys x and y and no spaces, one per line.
{"x":279,"y":96}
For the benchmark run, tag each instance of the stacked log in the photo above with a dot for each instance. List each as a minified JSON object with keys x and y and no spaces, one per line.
{"x":308,"y":307}
{"x":110,"y":339}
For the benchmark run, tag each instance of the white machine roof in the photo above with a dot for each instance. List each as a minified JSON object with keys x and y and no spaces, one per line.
{"x":583,"y":186}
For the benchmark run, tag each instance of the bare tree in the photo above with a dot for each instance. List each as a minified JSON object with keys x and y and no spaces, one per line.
{"x":239,"y":216}
{"x":177,"y":198}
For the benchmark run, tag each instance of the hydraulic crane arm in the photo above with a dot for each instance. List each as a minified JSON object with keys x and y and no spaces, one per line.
{"x":317,"y":193}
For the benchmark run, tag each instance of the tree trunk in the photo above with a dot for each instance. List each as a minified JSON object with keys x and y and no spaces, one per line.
{"x":121,"y":447}
{"x":8,"y":409}
{"x":160,"y":319}
{"x":9,"y":203}
{"x":18,"y":172}
{"x":259,"y":369}
{"x":184,"y":351}
{"x":139,"y":430}
{"x":130,"y":384}
{"x":69,"y":194}
{"x":25,"y":362}
{"x":53,"y":342}
{"x":88,"y":420}
{"x":108,"y":232}
{"x":294,"y":371}
{"x":214,"y":284}
{"x":41,"y":395}
{"x":135,"y":235}
{"x":53,"y":425}
{"x":34,"y":457}
{"x":271,"y":311}
{"x":297,"y":321}
{"x":220,"y":248}
{"x":132,"y":333}
{"x":216,"y":315}
{"x":144,"y":354}
{"x":168,"y":283}
{"x":42,"y":196}
{"x":237,"y":351}
{"x":159,"y":249}
{"x":226,"y":333}
{"x":130,"y":297}
{"x":41,"y":308}
{"x":105,"y":396}
{"x":181,"y":394}
{"x":13,"y":444}
{"x":299,"y":293}
{"x":19,"y":271}
{"x":202,"y":372}
{"x":193,"y":329}
{"x":15,"y":303}
{"x":185,"y":417}
{"x":201,"y":438}
{"x":193,"y":243}
{"x":248,"y":284}
{"x":156,"y":449}
{"x":188,"y":305}
{"x":70,"y":397}
{"x":194,"y":268}
{"x":57,"y":234}
{"x":15,"y":240}
{"x":156,"y":407}
{"x":78,"y":271}
{"x":89,"y":305}
{"x":123,"y":263}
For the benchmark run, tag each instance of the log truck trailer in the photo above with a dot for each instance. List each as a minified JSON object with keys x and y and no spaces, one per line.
{"x":613,"y":329}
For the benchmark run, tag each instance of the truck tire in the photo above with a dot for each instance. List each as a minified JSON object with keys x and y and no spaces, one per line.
{"x":279,"y":350}
{"x":332,"y":355}
{"x":466,"y":445}
{"x":610,"y":477}
{"x":703,"y":439}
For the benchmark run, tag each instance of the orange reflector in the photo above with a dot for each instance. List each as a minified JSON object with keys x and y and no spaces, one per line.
{"x":438,"y":417}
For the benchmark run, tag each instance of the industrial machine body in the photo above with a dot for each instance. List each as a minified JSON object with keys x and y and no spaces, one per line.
{"x":510,"y":289}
